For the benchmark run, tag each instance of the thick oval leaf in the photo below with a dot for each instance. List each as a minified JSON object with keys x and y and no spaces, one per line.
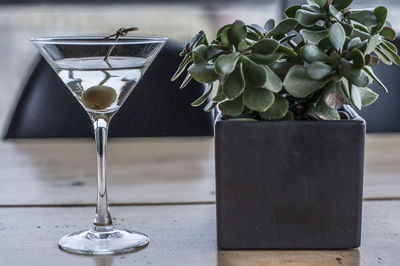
{"x":225,"y":64}
{"x":367,"y":96}
{"x":234,"y":84}
{"x":264,"y":47}
{"x":358,"y":59}
{"x":373,"y":42}
{"x":232,"y":108}
{"x":260,"y":30}
{"x":273,"y":83}
{"x":286,"y":50}
{"x":391,"y":46}
{"x":371,"y":60}
{"x":307,"y":18}
{"x":390,"y":53}
{"x":265,"y":59}
{"x":220,"y":95}
{"x":360,"y":34}
{"x":381,"y":14}
{"x":353,"y":43}
{"x":341,"y":4}
{"x":388,"y":33}
{"x":225,"y":38}
{"x":204,"y":97}
{"x":269,"y":25}
{"x":203,"y":73}
{"x":337,"y":36}
{"x":258,"y":99}
{"x":213,"y":52}
{"x":355,"y":97}
{"x":277,"y":110}
{"x":323,"y":112}
{"x":319,"y":70}
{"x":199,"y":54}
{"x":209,"y":106}
{"x":313,"y":8}
{"x":254,"y":73}
{"x":291,"y":11}
{"x":299,"y":84}
{"x":348,"y":28}
{"x":353,"y":74}
{"x":312,"y":53}
{"x":237,"y":32}
{"x":284,"y":27}
{"x":365,"y":17}
{"x":186,"y":81}
{"x":336,"y":13}
{"x":310,"y":36}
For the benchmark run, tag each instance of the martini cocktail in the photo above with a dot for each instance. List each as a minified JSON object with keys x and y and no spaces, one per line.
{"x":101,"y":73}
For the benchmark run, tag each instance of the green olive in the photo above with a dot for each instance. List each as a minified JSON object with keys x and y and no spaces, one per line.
{"x":99,"y":97}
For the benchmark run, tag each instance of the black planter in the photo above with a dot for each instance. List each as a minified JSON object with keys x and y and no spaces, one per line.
{"x":289,"y":184}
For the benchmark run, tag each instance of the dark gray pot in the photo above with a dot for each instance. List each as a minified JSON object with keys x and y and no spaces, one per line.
{"x":289,"y":184}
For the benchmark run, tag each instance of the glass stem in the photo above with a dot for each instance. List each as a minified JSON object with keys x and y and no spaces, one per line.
{"x":103,"y":217}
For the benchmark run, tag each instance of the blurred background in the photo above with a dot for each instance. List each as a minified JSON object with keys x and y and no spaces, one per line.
{"x":178,"y":20}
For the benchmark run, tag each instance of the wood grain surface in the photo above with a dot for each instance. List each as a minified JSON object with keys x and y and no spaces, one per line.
{"x":181,"y":235}
{"x":147,"y":171}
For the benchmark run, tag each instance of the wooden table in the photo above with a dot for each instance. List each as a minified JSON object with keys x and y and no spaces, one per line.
{"x":164,"y":187}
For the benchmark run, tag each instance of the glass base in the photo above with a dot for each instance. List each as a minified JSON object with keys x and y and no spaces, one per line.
{"x":103,"y":240}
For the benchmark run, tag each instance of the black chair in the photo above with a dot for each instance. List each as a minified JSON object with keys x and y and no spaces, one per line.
{"x":155,"y":108}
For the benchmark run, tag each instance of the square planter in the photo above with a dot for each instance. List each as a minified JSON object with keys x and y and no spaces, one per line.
{"x":289,"y":184}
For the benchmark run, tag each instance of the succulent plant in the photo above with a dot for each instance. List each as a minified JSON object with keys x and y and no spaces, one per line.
{"x":306,"y":67}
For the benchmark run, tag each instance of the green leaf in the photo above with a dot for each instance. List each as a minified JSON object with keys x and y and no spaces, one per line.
{"x":360,"y":34}
{"x":232,"y":108}
{"x":337,"y":36}
{"x":348,"y":28}
{"x":284,"y":27}
{"x":336,"y":13}
{"x":203,"y":73}
{"x":312,"y":53}
{"x":258,"y":99}
{"x":286,"y":50}
{"x":377,"y":80}
{"x":353,"y":43}
{"x":365,"y":17}
{"x":209,"y":106}
{"x":273,"y":83}
{"x":358,"y":58}
{"x":341,"y":4}
{"x":319,"y":70}
{"x":367,"y":96}
{"x":291,"y":11}
{"x":323,"y":112}
{"x":204,"y":97}
{"x":199,"y":54}
{"x":264,"y":47}
{"x":254,"y":73}
{"x":225,"y":38}
{"x":381,"y":14}
{"x":277,"y":110}
{"x":181,"y":68}
{"x":310,"y":36}
{"x":307,"y":18}
{"x":373,"y":42}
{"x":388,"y":33}
{"x":220,"y":94}
{"x":213,"y":52}
{"x":225,"y":64}
{"x":312,"y":7}
{"x":353,"y":74}
{"x":391,"y":46}
{"x":299,"y":84}
{"x":371,"y":60}
{"x":269,"y":25}
{"x":260,"y":30}
{"x":265,"y":59}
{"x":234,"y":84}
{"x":390,"y":53}
{"x":345,"y":87}
{"x":237,"y":32}
{"x":321,"y":3}
{"x":355,"y":97}
{"x":289,"y":116}
{"x":186,"y":81}
{"x":382,"y":56}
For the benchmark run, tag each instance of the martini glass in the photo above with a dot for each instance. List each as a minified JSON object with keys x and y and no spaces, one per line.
{"x":101,"y":73}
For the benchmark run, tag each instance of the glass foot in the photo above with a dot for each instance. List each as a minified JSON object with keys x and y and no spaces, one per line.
{"x":102,"y":241}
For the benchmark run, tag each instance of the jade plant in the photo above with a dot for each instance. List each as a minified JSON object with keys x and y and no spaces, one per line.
{"x":308,"y":66}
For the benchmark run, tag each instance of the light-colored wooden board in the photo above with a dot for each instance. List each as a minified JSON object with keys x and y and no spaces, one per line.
{"x":142,"y":171}
{"x":139,"y":171}
{"x":181,"y":235}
